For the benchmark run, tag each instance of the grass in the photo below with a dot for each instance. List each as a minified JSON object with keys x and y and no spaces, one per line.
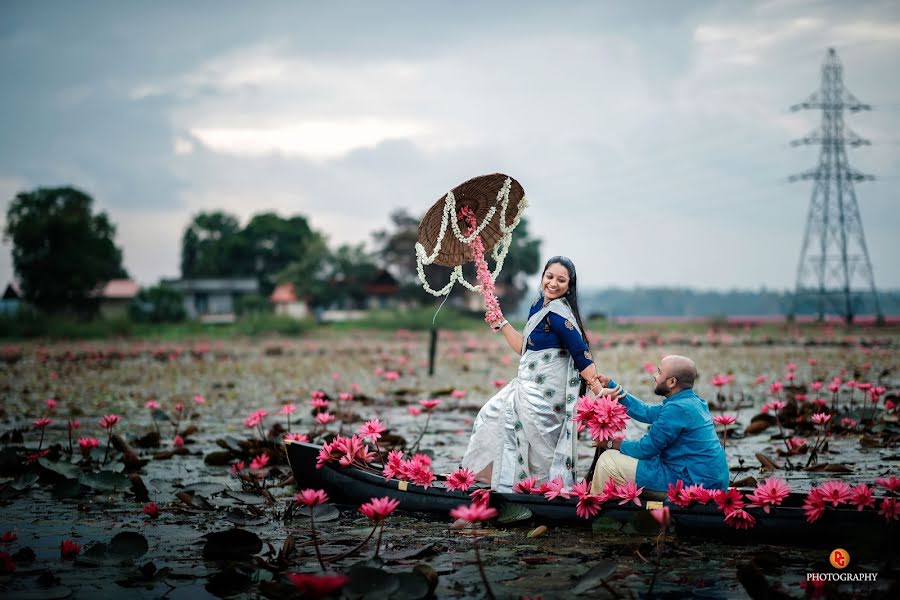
{"x":31,"y":327}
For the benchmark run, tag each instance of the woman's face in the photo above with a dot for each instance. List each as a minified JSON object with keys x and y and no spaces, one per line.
{"x":555,"y":283}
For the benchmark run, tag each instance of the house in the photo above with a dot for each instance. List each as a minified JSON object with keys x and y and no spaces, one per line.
{"x":214,"y":300}
{"x":381,"y":291}
{"x":12,"y":300}
{"x":284,"y":299}
{"x":114,"y":297}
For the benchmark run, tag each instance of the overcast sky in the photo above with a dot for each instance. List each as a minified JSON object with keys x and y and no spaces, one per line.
{"x":652,"y":138}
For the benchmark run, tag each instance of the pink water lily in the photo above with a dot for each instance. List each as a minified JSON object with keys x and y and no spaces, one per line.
{"x":581,"y":489}
{"x":697,"y":493}
{"x":481,"y":496}
{"x":813,"y":505}
{"x":296,"y":437}
{"x":862,"y":497}
{"x":260,"y":461}
{"x":740,"y":519}
{"x":287,"y":409}
{"x":588,"y":506}
{"x":87,"y":443}
{"x":892,"y":483}
{"x":661,"y":515}
{"x":319,"y":404}
{"x":151,"y":404}
{"x":603,"y":417}
{"x":310,"y":497}
{"x":836,"y":492}
{"x":556,"y":489}
{"x":629,"y":492}
{"x":820,"y":418}
{"x":378,"y":509}
{"x":473,"y":513}
{"x":324,"y":418}
{"x":728,"y":500}
{"x":460,"y":480}
{"x":526,"y":486}
{"x":372,"y":429}
{"x":429,"y":404}
{"x":392,"y":466}
{"x":724,"y":419}
{"x":769,"y":493}
{"x":108,"y":421}
{"x":718,"y":380}
{"x":890,"y":509}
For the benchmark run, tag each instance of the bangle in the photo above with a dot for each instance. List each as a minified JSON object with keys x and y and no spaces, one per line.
{"x":609,"y":444}
{"x":501,"y":325}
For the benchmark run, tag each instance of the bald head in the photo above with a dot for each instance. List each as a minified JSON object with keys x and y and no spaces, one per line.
{"x":680,"y":367}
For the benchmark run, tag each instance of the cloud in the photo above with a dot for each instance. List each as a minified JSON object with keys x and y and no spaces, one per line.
{"x":638,"y":134}
{"x":314,"y":140}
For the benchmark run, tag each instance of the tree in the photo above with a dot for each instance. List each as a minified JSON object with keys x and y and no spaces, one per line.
{"x":215,"y":245}
{"x":159,"y":304}
{"x":396,"y":251}
{"x":350,"y":268}
{"x":61,"y":251}
{"x":523,"y":260}
{"x":272,"y":243}
{"x":211,"y":247}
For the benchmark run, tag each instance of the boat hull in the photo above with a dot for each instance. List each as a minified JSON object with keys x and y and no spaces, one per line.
{"x":786,"y":523}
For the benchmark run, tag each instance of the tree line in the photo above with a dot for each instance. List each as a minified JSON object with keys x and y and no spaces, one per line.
{"x":63,"y":252}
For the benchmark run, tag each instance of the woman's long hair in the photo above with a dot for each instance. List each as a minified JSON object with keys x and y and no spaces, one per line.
{"x":572,"y":298}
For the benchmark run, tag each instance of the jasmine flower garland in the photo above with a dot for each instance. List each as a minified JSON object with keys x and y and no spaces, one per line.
{"x":498,"y":253}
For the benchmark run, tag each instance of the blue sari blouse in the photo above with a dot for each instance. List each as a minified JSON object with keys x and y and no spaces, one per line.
{"x":555,"y":331}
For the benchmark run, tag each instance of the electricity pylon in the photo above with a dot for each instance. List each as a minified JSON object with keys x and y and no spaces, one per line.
{"x":834,"y":261}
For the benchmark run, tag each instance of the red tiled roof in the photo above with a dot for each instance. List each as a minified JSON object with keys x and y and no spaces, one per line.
{"x":283,"y":294}
{"x":120,"y":288}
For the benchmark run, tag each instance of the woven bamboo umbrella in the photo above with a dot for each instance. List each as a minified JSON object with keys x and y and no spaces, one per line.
{"x":479,"y":194}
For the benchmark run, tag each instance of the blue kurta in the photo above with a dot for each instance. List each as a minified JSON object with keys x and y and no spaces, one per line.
{"x":681,"y":443}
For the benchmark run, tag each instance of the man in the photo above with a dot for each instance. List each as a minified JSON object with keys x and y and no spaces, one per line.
{"x":680,"y":444}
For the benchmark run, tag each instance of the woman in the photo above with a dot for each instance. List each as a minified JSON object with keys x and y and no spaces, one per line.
{"x":526,"y":430}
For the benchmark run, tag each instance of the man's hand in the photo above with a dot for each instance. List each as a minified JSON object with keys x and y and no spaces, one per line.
{"x":616,"y":444}
{"x":615,"y":393}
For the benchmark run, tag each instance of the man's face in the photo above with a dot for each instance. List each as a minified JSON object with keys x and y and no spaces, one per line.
{"x":662,"y":380}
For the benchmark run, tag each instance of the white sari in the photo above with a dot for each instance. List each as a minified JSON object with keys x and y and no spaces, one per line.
{"x":526,"y":429}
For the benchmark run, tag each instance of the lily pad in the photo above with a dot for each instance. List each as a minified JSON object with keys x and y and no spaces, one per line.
{"x":510,"y":513}
{"x":371,"y":583}
{"x":68,"y":488}
{"x":128,"y":545}
{"x":231,"y":544}
{"x":606,"y":525}
{"x":412,"y":586}
{"x":205,"y":488}
{"x":323,"y":512}
{"x":56,"y":592}
{"x":642,"y":523}
{"x":66,"y":469}
{"x":106,"y":481}
{"x":25,"y":481}
{"x":599,"y":573}
{"x":123,"y":548}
